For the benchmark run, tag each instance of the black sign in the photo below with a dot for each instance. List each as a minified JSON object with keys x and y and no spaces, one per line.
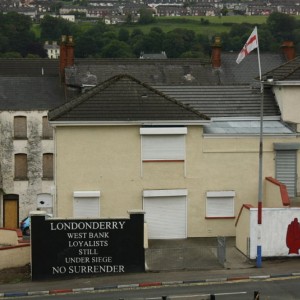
{"x":78,"y":247}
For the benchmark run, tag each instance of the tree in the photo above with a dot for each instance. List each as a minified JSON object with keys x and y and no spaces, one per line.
{"x":87,"y":46}
{"x":53,"y":28}
{"x":117,"y":49}
{"x":16,"y":35}
{"x":174,"y":44}
{"x":123,"y":35}
{"x":11,"y":55}
{"x":136,"y":41}
{"x":281,"y":26}
{"x":146,"y":16}
{"x":178,"y":41}
{"x":91,"y":42}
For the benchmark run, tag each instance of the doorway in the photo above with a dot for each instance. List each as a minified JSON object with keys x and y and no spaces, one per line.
{"x":11,"y":211}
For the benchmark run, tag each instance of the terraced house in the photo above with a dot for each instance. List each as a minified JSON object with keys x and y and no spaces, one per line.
{"x":176,"y":138}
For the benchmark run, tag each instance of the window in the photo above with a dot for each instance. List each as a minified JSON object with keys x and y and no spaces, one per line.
{"x":163,"y":144}
{"x":21,"y":166}
{"x":220,"y":204}
{"x":48,"y":166}
{"x":20,"y":127}
{"x":286,"y":165}
{"x":86,"y":204}
{"x":47,"y":129}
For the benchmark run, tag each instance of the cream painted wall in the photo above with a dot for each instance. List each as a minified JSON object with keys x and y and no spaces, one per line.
{"x":288,"y":98}
{"x":108,"y":159}
{"x":243,"y":230}
{"x":12,"y":257}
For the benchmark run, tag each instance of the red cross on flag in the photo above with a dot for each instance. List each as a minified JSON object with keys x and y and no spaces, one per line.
{"x":250,"y":45}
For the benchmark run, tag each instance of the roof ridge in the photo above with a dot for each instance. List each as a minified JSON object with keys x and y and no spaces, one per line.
{"x":294,"y":69}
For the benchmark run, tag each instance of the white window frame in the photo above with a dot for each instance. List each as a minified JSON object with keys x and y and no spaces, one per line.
{"x":79,"y":197}
{"x":220,"y":204}
{"x":152,"y":148}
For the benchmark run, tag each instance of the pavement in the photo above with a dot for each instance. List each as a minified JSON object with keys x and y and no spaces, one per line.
{"x":237,"y":267}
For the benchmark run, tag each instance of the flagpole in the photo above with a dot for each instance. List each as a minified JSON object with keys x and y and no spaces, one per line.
{"x":260,"y":167}
{"x":250,"y":45}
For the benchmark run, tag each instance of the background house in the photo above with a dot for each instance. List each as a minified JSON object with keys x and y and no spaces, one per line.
{"x":29,"y":88}
{"x":53,"y":49}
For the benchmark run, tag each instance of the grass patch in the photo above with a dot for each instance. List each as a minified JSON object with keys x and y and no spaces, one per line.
{"x":217,"y":25}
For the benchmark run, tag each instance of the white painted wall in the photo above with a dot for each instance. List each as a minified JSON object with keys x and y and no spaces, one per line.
{"x":34,"y":147}
{"x":275,"y":222}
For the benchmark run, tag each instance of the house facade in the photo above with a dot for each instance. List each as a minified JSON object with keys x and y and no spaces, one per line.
{"x":29,"y":88}
{"x":30,"y":159}
{"x":118,"y":150}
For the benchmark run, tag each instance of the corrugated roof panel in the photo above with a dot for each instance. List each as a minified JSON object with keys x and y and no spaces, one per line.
{"x":251,"y":127}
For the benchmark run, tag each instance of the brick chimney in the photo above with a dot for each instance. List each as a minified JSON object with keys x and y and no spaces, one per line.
{"x":288,"y":49}
{"x":66,"y":58}
{"x":216,"y":53}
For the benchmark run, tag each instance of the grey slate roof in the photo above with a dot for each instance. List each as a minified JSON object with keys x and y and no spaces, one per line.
{"x":152,"y":71}
{"x":224,"y":101}
{"x":34,"y":83}
{"x":26,"y":67}
{"x":177,"y":71}
{"x":30,"y":93}
{"x":124,"y":98}
{"x":246,"y":71}
{"x":287,"y":71}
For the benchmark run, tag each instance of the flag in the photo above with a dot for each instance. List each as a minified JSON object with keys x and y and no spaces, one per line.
{"x":250,"y":45}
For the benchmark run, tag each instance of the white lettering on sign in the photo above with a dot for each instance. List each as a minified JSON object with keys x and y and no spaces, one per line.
{"x":102,"y":225}
{"x":88,"y":243}
{"x":85,"y":240}
{"x":89,"y":269}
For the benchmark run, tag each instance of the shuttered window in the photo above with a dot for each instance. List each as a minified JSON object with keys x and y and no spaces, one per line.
{"x":163,"y":144}
{"x":48,"y":166}
{"x":20,"y":166}
{"x":220,"y":204}
{"x":47,"y":129}
{"x":286,"y":170}
{"x":166,"y":213}
{"x":20,"y":127}
{"x":86,"y":204}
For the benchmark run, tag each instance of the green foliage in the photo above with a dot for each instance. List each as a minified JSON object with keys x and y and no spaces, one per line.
{"x":123,"y":35}
{"x":53,"y":28}
{"x":10,"y":55}
{"x":116,"y":49}
{"x":146,"y":16}
{"x":16,"y":35}
{"x":178,"y":37}
{"x":90,"y":43}
{"x":282,"y":26}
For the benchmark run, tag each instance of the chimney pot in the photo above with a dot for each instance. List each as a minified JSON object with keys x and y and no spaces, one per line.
{"x":288,"y":49}
{"x":66,"y":55}
{"x":216,"y":53}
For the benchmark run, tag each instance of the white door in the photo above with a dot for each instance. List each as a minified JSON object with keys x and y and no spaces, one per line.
{"x":166,"y":217}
